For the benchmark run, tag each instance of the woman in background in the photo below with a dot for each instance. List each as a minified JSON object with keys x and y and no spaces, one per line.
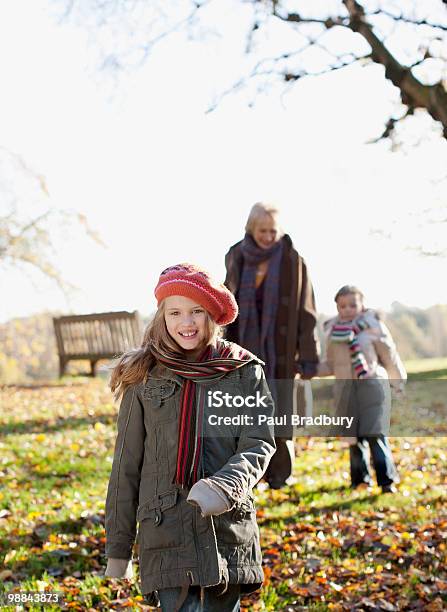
{"x":277,"y":317}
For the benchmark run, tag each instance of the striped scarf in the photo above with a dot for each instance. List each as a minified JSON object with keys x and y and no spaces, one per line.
{"x":348,"y":333}
{"x":259,"y":336}
{"x":192,"y":401}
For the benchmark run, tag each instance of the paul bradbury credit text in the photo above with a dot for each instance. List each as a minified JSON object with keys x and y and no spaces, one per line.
{"x":225,"y":410}
{"x":296,"y":420}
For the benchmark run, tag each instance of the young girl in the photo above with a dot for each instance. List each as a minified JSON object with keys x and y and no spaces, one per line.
{"x":361,"y":354}
{"x":187,"y":486}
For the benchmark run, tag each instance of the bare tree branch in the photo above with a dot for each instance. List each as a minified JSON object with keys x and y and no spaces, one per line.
{"x":29,"y":223}
{"x":148,"y":47}
{"x":327,"y":23}
{"x":391,"y":124}
{"x":34,"y":224}
{"x":260,"y":69}
{"x":414,"y":93}
{"x":331,"y":68}
{"x":402,"y":18}
{"x":349,"y":16}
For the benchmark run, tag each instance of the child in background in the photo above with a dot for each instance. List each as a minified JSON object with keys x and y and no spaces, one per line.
{"x":362,"y":356}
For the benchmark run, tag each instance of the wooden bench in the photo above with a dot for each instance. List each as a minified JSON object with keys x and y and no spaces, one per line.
{"x":95,"y":336}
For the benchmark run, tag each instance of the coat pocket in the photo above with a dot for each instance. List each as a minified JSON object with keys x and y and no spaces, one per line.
{"x":238,"y":526}
{"x":161,"y":525}
{"x":159,"y":395}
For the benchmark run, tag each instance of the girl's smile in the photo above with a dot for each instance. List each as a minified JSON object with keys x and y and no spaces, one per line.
{"x":186,"y":322}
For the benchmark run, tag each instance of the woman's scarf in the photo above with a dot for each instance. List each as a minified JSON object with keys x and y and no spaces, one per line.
{"x":192,"y":401}
{"x":348,"y":333}
{"x":259,"y":336}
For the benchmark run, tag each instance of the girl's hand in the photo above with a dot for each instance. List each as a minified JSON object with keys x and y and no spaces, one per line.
{"x":119,"y":568}
{"x":209,"y":497}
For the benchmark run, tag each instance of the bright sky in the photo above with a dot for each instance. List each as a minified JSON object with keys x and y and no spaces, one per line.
{"x":163,"y":182}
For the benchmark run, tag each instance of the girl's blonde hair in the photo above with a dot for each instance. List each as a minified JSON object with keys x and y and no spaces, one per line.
{"x":348,"y":290}
{"x":134,"y":365}
{"x":259,"y":211}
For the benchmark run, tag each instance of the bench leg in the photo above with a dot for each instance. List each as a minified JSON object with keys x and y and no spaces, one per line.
{"x":93,"y":367}
{"x":62,"y":366}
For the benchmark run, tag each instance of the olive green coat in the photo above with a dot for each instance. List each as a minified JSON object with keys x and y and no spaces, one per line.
{"x":178,"y":546}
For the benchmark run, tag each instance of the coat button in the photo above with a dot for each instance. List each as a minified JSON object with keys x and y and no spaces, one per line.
{"x":157,"y":518}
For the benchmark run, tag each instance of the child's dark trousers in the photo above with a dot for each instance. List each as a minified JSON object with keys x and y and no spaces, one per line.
{"x":382,"y":459}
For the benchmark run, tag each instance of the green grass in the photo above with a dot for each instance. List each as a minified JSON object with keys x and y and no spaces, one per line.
{"x":415,"y":366}
{"x":325,"y":547}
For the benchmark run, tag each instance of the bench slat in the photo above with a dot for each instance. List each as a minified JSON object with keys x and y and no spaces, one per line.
{"x":96,"y":336}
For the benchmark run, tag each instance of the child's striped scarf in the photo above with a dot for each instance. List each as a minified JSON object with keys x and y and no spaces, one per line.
{"x":192,"y":401}
{"x":348,"y":332}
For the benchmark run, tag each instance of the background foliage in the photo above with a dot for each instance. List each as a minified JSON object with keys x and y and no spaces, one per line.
{"x":28,"y":348}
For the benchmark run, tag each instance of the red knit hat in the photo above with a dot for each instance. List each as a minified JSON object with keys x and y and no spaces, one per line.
{"x":196,"y":284}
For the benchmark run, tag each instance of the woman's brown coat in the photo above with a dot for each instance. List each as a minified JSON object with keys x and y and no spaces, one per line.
{"x":295,"y":332}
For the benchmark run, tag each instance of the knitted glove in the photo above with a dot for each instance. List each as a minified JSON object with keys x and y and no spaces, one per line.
{"x":119,"y":568}
{"x":209,"y":497}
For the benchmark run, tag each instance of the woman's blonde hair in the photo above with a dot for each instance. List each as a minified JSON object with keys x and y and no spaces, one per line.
{"x":259,"y":211}
{"x":134,"y":366}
